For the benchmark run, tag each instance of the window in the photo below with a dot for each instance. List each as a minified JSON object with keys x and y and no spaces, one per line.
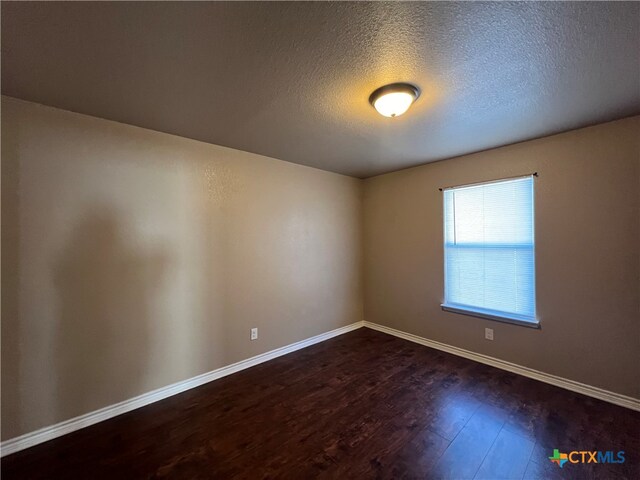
{"x":489,"y":250}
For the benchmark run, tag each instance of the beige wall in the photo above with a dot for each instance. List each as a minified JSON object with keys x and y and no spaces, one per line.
{"x":133,"y":259}
{"x":587,"y":254}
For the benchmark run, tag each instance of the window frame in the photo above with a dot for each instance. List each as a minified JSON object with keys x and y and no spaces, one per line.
{"x":479,"y":312}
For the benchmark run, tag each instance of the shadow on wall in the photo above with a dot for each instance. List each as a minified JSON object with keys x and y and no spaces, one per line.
{"x":105,"y":286}
{"x":10,"y":308}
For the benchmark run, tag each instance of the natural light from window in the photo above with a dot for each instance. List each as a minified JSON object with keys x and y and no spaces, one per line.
{"x":489,"y":250}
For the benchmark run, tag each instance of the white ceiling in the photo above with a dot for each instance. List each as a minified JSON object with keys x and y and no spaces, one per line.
{"x":292,"y":80}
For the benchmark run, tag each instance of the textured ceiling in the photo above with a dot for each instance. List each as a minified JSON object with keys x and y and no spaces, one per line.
{"x":292,"y":80}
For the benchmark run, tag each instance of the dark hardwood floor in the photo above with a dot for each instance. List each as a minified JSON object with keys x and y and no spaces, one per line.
{"x":362,"y":405}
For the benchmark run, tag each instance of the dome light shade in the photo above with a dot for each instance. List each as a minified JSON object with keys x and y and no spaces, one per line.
{"x":395,"y":99}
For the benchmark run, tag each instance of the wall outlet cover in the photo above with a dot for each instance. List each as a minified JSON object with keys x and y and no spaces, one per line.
{"x":488,"y":333}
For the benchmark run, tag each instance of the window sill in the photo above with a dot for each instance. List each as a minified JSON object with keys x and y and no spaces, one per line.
{"x":491,"y":316}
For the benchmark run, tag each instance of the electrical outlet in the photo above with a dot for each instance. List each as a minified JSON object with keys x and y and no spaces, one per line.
{"x":488,"y":333}
{"x":254,"y":334}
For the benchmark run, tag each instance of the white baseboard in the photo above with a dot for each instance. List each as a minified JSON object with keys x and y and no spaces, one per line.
{"x":49,"y":433}
{"x":599,"y":393}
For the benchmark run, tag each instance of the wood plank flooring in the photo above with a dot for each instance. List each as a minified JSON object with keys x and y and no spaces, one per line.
{"x":359,"y":406}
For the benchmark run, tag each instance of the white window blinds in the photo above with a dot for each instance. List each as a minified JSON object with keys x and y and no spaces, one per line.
{"x":489,"y":249}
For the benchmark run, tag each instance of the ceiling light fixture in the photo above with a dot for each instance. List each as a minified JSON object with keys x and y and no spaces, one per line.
{"x":394,"y":99}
